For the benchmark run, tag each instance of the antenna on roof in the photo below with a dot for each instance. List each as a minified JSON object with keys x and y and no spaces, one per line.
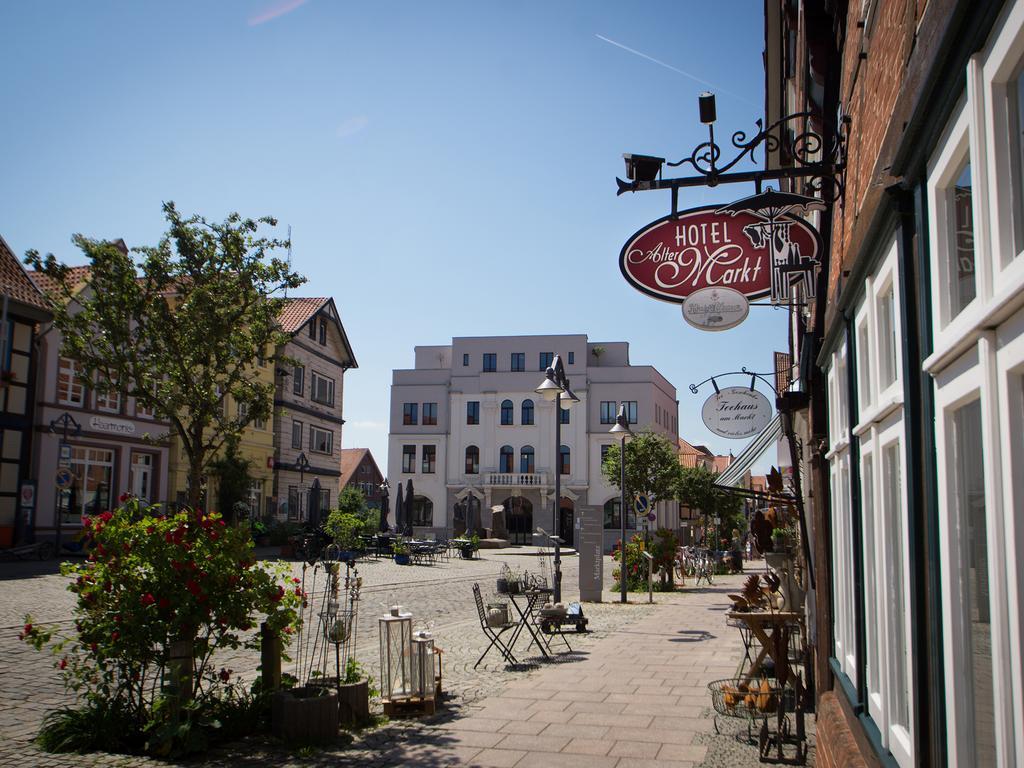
{"x":289,"y":256}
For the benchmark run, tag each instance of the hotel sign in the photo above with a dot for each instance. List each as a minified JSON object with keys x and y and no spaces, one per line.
{"x":736,"y":412}
{"x":708,"y":247}
{"x":112,"y":426}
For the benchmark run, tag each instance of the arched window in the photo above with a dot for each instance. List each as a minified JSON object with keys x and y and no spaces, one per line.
{"x":506,"y":412}
{"x":612,"y":519}
{"x":472,"y":460}
{"x":564,"y":464}
{"x":527,"y":412}
{"x":506,"y":459}
{"x":526,"y":460}
{"x":611,"y":513}
{"x":422,"y":511}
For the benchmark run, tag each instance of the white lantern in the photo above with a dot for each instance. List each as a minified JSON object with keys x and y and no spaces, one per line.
{"x":396,"y":655}
{"x":423,"y":682}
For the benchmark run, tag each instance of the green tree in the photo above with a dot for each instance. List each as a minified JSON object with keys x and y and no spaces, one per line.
{"x":233,"y":481}
{"x":652,"y":466}
{"x":696,"y":489}
{"x":352,"y":501}
{"x":179,"y":325}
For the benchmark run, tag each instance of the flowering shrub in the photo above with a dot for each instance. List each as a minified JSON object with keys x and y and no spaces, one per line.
{"x":636,"y":565}
{"x":153,"y":581}
{"x":662,"y":547}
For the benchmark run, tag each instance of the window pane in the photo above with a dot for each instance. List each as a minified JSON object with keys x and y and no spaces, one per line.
{"x":429,"y":455}
{"x":1016,"y":111}
{"x":518,"y":362}
{"x":506,"y":412}
{"x":410,"y":413}
{"x":506,"y":458}
{"x":872,"y":623}
{"x":473,"y":412}
{"x":546,"y":359}
{"x":490,"y":361}
{"x":970,"y":522}
{"x":430,"y":414}
{"x":527,"y":416}
{"x":298,"y":380}
{"x":961,"y":273}
{"x":472,"y":460}
{"x":896,"y":602}
{"x":408,"y":459}
{"x":864,"y":366}
{"x":886,"y":339}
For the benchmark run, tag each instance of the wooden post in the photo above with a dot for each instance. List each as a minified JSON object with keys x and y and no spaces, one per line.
{"x":270,"y":658}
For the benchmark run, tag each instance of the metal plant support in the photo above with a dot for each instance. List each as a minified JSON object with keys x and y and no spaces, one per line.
{"x":328,"y":631}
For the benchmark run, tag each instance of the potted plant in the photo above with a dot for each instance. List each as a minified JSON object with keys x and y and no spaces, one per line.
{"x":344,"y":529}
{"x":471,"y":546}
{"x":401,"y":551}
{"x":354,"y":694}
{"x":260,"y":534}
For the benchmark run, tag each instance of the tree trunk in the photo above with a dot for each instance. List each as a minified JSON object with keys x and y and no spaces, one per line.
{"x":195,"y":477}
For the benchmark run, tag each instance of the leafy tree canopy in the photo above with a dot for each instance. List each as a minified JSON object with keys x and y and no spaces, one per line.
{"x":180,"y":324}
{"x":652,"y":466}
{"x":696,"y":489}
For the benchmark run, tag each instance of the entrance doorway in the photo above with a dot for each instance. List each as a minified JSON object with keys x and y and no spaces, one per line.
{"x":519,"y":520}
{"x":565,"y":522}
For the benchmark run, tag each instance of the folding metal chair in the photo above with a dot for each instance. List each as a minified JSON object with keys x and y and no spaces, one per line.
{"x":494,"y":633}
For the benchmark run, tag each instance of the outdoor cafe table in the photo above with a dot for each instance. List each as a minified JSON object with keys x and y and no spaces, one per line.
{"x":527,"y":617}
{"x":760,"y":624}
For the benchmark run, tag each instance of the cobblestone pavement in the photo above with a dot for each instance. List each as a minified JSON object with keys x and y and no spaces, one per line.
{"x":493,"y":715}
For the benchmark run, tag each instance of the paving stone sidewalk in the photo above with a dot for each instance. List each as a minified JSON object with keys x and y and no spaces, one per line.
{"x":634,"y":694}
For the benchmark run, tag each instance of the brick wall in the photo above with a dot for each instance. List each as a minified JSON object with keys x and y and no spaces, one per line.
{"x":836,"y":746}
{"x":874,"y":64}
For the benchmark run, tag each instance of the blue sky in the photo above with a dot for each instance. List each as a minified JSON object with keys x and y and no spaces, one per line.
{"x":447,"y":168}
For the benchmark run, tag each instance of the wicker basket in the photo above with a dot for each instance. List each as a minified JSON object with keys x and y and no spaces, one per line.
{"x":759,"y":700}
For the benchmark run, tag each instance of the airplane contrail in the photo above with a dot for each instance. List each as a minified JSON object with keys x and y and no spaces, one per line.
{"x":677,"y":70}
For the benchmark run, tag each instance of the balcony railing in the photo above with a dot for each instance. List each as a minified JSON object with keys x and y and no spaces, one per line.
{"x":516,"y":479}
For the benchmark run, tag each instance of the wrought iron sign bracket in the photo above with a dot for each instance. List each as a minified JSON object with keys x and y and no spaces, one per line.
{"x":694,"y":388}
{"x":802,"y":153}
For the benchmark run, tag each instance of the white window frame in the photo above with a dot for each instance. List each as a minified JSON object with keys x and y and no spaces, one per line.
{"x":74,"y":379}
{"x":1010,"y":382}
{"x":314,"y":442}
{"x":109,"y":402}
{"x":314,"y":396}
{"x":838,"y":457}
{"x":972,"y":377}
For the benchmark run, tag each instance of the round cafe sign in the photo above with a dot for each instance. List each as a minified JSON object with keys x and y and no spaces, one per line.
{"x":736,"y":412}
{"x":715,"y":309}
{"x":674,"y":257}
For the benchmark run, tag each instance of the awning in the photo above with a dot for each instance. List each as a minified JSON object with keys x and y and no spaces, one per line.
{"x":767,"y":438}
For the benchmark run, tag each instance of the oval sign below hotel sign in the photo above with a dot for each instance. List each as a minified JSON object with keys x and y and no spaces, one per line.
{"x":736,"y":412}
{"x":715,"y":309}
{"x":673,"y":258}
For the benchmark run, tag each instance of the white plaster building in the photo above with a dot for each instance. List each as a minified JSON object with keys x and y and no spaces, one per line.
{"x":467,"y":425}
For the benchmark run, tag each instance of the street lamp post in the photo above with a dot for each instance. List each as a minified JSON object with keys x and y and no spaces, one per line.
{"x":622,"y":429}
{"x":302,"y":466}
{"x":382,"y":526}
{"x":556,"y":384}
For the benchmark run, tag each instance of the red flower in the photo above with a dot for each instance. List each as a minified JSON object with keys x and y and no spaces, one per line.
{"x":225,"y":674}
{"x":296,"y":580}
{"x":115,"y":635}
{"x":105,"y":517}
{"x":148,"y":599}
{"x":168,"y":537}
{"x":214,"y":535}
{"x":86,"y":521}
{"x":277,"y":595}
{"x":298,"y":591}
{"x":150,"y":529}
{"x":192,"y":586}
{"x":64,"y":663}
{"x":28,"y":629}
{"x":124,"y":497}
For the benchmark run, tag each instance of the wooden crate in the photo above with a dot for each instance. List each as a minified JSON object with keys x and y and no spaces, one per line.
{"x":409,"y":707}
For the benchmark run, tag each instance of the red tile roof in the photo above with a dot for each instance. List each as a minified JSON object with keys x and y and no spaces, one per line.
{"x":15,"y":282}
{"x":351,"y":459}
{"x":296,"y":312}
{"x":46,"y":284}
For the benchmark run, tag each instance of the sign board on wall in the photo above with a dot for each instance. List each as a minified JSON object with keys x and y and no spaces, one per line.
{"x":736,"y":412}
{"x":715,"y":309}
{"x":113,"y":426}
{"x":674,"y":257}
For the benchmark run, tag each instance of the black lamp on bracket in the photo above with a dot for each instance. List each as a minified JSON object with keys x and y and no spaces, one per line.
{"x":643,"y":167}
{"x":706,"y":103}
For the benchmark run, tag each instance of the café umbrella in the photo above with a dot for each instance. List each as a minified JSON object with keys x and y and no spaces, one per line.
{"x":407,"y":517}
{"x":399,"y":509}
{"x":384,"y":510}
